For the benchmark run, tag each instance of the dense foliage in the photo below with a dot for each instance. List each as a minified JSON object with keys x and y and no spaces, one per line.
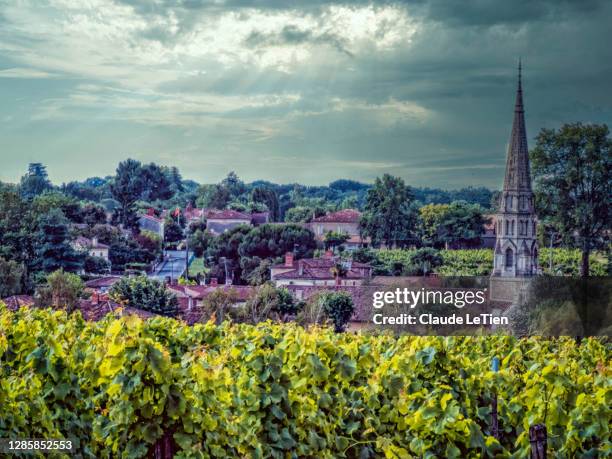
{"x":117,"y":386}
{"x":451,"y":225}
{"x":61,"y":290}
{"x":245,"y":253}
{"x":146,"y":294}
{"x":478,"y":262}
{"x":572,"y":170}
{"x":389,"y":216}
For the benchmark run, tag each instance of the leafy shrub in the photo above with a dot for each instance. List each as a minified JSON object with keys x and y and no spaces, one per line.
{"x":144,"y":293}
{"x":423,"y":261}
{"x":479,"y":262}
{"x":338,"y":307}
{"x":116,"y":386}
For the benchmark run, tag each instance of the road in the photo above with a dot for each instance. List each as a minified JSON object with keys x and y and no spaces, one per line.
{"x":173,"y":265}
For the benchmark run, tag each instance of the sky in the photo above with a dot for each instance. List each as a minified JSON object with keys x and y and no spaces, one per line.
{"x":290,"y":91}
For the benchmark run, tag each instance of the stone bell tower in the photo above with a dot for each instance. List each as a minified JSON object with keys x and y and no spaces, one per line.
{"x":516,"y":247}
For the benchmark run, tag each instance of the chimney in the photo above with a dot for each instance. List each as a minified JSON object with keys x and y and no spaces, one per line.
{"x":94,"y":241}
{"x":329,"y":254}
{"x":213,"y":282}
{"x":300,"y":268}
{"x":289,"y":259}
{"x":95,"y":298}
{"x":151,"y":212}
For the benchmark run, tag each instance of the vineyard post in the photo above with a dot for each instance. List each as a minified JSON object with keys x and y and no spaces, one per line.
{"x":494,"y":420}
{"x":538,"y":439}
{"x":164,"y":447}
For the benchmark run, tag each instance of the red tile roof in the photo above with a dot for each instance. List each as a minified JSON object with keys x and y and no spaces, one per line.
{"x":193,"y":213}
{"x":342,"y":216}
{"x":16,"y":301}
{"x":321,"y":268}
{"x":200,"y":292}
{"x":100,"y":282}
{"x":362,"y":297}
{"x":226,"y":214}
{"x":97,"y":310}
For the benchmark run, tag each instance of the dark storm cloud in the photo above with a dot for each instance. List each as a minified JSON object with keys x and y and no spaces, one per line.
{"x":293,"y":35}
{"x":475,"y":12}
{"x":434,"y":107}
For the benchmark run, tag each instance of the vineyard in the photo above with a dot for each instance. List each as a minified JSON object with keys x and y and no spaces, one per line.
{"x":479,"y":262}
{"x":117,"y":386}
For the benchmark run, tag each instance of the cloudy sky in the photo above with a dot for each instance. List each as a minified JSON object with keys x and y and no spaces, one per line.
{"x":293,"y":90}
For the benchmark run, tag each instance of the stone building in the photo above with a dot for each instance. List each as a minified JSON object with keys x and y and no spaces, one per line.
{"x":516,"y":247}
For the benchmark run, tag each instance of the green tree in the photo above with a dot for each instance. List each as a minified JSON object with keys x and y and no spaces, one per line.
{"x":431,"y":217}
{"x":335,"y":239}
{"x":273,"y":241}
{"x":172,"y":231}
{"x":12,"y":232}
{"x":92,"y":214}
{"x":299,"y":214}
{"x":233,"y":185}
{"x":18,"y":233}
{"x":45,"y":202}
{"x":572,"y":170}
{"x":96,"y":265}
{"x":126,"y":189}
{"x":223,"y":255}
{"x":219,"y":304}
{"x":62,"y":290}
{"x":270,"y":302}
{"x":269,"y":198}
{"x":175,"y":179}
{"x":260,"y":273}
{"x":155,"y":183}
{"x":124,"y":251}
{"x":424,"y":261}
{"x":11,"y":277}
{"x":35,"y":181}
{"x":460,"y":224}
{"x":389,"y":216}
{"x":213,"y":197}
{"x":338,"y":307}
{"x":146,"y":294}
{"x":54,"y":250}
{"x":150,"y":241}
{"x":200,"y":241}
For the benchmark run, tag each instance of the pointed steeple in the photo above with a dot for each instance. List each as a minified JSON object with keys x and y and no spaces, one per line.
{"x":516,"y":245}
{"x":518,"y":175}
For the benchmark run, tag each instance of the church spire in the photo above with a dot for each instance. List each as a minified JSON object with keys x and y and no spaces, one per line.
{"x":516,"y":247}
{"x":519,"y":90}
{"x":518,"y":176}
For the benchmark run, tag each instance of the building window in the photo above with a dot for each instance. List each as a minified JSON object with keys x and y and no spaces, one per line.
{"x":509,"y":258}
